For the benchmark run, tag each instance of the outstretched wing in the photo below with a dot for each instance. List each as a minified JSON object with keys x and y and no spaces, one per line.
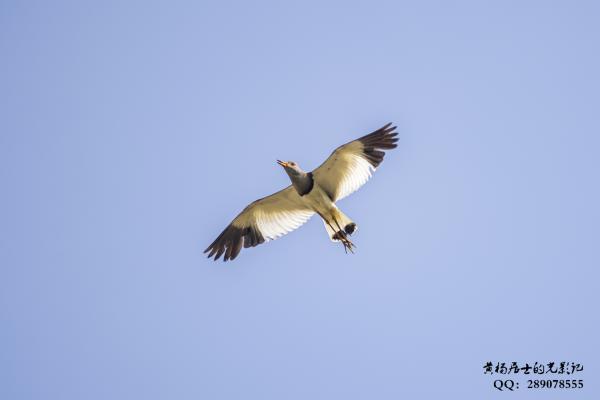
{"x":263,"y":220}
{"x":350,"y":166}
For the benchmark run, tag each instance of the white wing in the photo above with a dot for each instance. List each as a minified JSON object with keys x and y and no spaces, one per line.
{"x":263,"y":220}
{"x":350,"y":166}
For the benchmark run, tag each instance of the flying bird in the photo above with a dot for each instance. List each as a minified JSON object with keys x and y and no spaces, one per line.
{"x":348,"y":168}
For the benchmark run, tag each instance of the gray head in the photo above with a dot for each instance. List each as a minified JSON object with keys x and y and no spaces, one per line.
{"x":302,"y":181}
{"x":291,"y":168}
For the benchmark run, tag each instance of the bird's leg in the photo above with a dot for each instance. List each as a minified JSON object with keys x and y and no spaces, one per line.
{"x":341,"y":237}
{"x":342,"y":231}
{"x":348,"y":245}
{"x":337,"y":223}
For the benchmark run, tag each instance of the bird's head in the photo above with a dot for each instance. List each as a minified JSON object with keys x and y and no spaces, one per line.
{"x":291,"y":168}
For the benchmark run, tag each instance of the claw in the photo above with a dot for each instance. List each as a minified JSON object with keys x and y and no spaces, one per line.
{"x":348,"y":245}
{"x":341,"y":235}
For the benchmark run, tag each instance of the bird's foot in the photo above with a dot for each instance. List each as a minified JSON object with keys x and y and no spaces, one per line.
{"x":343,"y":238}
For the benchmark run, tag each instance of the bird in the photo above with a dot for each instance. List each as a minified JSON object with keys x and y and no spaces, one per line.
{"x":348,"y":168}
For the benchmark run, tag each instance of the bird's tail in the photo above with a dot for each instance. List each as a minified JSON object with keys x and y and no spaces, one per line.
{"x":338,"y":221}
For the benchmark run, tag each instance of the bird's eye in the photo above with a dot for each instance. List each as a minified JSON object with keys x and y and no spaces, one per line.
{"x":293,"y":164}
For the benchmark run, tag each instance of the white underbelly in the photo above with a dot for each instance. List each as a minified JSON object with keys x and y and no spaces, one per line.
{"x":318,"y":200}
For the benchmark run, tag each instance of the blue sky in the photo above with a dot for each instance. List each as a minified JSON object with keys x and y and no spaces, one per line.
{"x":131,"y":133}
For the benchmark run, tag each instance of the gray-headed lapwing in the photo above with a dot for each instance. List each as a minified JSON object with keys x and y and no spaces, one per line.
{"x":348,"y":168}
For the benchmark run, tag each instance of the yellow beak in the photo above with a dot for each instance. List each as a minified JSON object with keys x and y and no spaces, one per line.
{"x":282,"y":163}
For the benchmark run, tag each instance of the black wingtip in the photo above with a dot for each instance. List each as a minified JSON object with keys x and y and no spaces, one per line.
{"x":231,"y":241}
{"x":375,"y":142}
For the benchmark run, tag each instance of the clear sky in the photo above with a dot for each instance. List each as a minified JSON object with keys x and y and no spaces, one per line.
{"x":131,"y":133}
